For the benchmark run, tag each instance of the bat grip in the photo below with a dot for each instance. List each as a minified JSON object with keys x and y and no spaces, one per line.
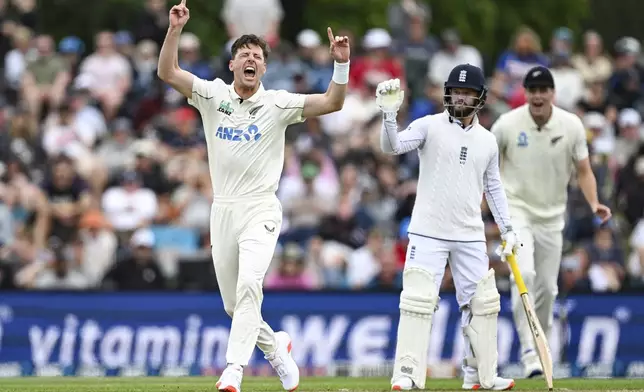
{"x":517,"y":274}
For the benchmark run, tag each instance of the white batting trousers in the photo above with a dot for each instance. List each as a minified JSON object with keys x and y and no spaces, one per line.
{"x":468,"y":262}
{"x":244,"y":234}
{"x":539,"y":261}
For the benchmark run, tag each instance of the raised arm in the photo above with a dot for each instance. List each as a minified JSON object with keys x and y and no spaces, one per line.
{"x":389,"y":97}
{"x":168,"y":69}
{"x":396,"y":143}
{"x":333,"y":99}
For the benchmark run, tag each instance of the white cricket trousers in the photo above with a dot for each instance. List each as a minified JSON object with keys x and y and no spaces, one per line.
{"x":468,"y":262}
{"x":539,"y":260}
{"x":243,"y":233}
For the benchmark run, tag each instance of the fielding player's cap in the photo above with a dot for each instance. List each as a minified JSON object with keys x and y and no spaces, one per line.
{"x":539,"y":76}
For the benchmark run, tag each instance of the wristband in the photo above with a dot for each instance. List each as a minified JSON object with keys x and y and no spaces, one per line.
{"x":340,"y":72}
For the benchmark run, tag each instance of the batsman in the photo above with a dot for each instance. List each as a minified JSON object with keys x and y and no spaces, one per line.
{"x":459,"y":162}
{"x":541,"y":146}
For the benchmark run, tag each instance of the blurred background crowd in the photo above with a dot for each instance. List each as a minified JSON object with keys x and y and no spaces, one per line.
{"x":104,"y":182}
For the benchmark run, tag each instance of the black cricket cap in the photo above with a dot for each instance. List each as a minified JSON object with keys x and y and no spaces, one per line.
{"x":539,"y":76}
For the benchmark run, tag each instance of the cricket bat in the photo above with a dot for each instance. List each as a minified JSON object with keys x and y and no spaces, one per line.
{"x":540,"y":339}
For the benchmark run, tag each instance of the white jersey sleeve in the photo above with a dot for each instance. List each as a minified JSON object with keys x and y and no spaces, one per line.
{"x":394,"y":142}
{"x":204,"y":93}
{"x":495,"y":194}
{"x":291,"y":106}
{"x":580,"y":144}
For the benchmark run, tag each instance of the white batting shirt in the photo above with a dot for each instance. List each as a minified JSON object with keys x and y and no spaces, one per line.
{"x":245,"y":137}
{"x":457,"y":166}
{"x":537,"y":164}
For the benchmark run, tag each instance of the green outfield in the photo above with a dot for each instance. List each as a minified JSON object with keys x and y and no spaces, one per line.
{"x":254,"y":384}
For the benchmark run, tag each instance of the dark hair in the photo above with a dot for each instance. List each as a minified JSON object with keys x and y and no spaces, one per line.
{"x":250,"y":39}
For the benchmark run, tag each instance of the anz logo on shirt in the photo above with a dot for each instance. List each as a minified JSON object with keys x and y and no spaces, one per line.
{"x":250,"y":134}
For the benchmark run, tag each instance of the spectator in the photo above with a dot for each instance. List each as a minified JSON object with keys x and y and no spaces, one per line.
{"x":15,"y":62}
{"x":130,"y":206}
{"x":291,"y":273}
{"x":111,"y":74}
{"x":193,"y":199}
{"x":71,"y":48}
{"x":625,"y":82}
{"x":525,"y":53}
{"x":138,"y":271}
{"x":561,"y":43}
{"x":68,"y":198}
{"x":416,"y":51}
{"x":152,"y":23}
{"x":259,"y":17}
{"x":595,"y":99}
{"x":569,"y":82}
{"x":400,"y":13}
{"x":305,"y":212}
{"x":97,"y":247}
{"x":364,"y":263}
{"x":630,"y":136}
{"x":316,"y":60}
{"x":376,"y":61}
{"x":45,"y":79}
{"x":117,"y":153}
{"x":606,"y":261}
{"x":593,"y":64}
{"x":635,"y":264}
{"x":450,"y":55}
{"x":629,"y":188}
{"x":389,"y":278}
{"x":58,"y":274}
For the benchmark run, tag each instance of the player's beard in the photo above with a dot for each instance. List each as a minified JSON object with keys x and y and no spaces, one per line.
{"x":463,"y":110}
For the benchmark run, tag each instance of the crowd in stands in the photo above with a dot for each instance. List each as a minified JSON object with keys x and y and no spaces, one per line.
{"x":104,"y":181}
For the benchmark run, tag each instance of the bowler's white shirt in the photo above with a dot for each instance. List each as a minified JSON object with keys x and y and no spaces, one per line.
{"x":457,"y":167}
{"x":537,"y":164}
{"x":245,"y":138}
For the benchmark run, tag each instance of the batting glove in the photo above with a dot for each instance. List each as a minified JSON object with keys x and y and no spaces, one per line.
{"x":389,"y":96}
{"x":510,"y":244}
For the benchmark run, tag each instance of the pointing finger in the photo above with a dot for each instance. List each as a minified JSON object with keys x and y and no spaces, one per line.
{"x":329,"y":32}
{"x":183,"y":2}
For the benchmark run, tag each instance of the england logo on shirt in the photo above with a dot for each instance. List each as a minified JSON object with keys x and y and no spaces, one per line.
{"x":463,"y":156}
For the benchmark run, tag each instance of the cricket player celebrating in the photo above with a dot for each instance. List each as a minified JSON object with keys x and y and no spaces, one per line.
{"x":541,"y":146}
{"x":458,"y":164}
{"x":245,"y":134}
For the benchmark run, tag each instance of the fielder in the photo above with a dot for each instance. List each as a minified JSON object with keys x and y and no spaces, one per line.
{"x":458,"y":164}
{"x":541,"y":146}
{"x":245,"y":134}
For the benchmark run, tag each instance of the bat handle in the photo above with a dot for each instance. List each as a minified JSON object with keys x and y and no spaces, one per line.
{"x":517,"y":274}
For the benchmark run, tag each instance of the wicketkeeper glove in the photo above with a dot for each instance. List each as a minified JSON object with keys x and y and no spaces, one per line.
{"x":389,"y":96}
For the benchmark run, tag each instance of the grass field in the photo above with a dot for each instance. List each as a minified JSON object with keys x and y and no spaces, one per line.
{"x":255,"y":384}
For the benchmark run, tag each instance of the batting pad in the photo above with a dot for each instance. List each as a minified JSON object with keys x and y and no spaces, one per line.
{"x":418,"y":301}
{"x":482,"y":329}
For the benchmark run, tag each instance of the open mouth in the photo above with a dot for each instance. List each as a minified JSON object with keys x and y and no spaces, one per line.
{"x":537,"y":104}
{"x":249,"y":72}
